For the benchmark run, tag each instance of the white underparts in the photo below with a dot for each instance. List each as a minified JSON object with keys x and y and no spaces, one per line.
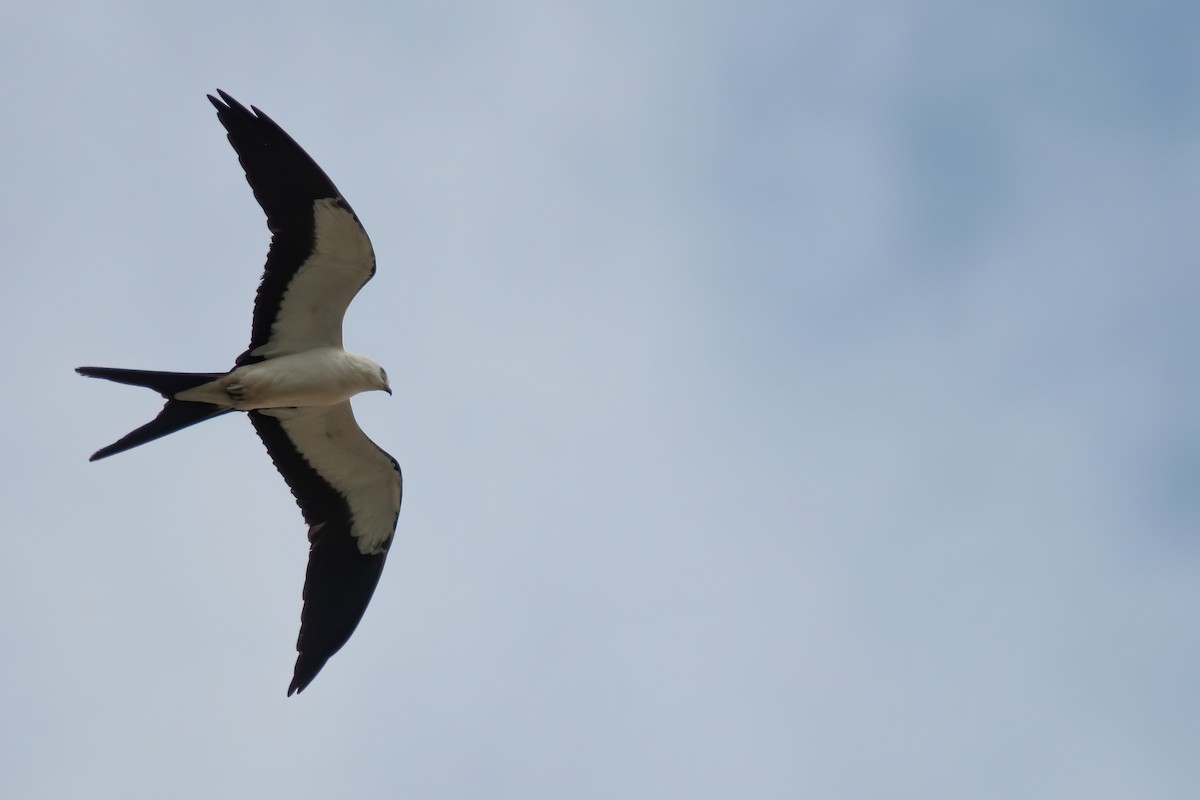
{"x":311,"y":310}
{"x":325,"y":376}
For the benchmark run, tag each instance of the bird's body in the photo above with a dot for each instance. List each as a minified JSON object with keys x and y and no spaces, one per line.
{"x":295,"y":382}
{"x":324,"y":376}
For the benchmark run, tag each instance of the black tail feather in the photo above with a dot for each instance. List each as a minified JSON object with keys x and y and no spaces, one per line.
{"x":176,"y":414}
{"x":168,"y":384}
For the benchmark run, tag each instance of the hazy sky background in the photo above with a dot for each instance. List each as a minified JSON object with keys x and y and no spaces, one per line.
{"x":795,"y":399}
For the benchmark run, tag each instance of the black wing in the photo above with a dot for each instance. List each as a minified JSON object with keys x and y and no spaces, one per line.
{"x":349,"y":492}
{"x":320,"y":254}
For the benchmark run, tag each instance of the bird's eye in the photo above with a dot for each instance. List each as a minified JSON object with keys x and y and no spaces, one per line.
{"x":383,"y":374}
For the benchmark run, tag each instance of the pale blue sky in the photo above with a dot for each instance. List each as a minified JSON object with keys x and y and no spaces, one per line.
{"x":795,"y":400}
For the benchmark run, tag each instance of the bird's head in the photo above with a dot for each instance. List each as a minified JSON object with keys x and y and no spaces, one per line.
{"x":366,"y":375}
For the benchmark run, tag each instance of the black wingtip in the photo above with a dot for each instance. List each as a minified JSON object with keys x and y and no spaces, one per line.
{"x":300,"y":682}
{"x":308,"y":666}
{"x":228,"y":104}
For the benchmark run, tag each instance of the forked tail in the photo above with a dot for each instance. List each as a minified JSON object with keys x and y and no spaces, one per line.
{"x":176,"y":414}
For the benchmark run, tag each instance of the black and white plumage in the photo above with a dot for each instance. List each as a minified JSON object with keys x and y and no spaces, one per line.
{"x":295,"y":381}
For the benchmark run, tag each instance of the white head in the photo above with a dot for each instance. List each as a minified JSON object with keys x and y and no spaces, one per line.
{"x":371,"y":374}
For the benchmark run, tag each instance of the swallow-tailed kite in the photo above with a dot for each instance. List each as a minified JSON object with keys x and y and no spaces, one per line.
{"x":295,"y":382}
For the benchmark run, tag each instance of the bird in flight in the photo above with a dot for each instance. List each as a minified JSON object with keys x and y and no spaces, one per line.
{"x":295,"y":382}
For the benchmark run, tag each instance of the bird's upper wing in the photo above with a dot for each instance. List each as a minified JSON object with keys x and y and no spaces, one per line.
{"x":349,"y":492}
{"x":320,"y":254}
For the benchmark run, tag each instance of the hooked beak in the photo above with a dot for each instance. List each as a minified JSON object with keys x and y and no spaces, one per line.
{"x":388,"y":389}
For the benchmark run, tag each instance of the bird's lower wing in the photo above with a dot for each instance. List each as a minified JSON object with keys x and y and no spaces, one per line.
{"x":349,"y":491}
